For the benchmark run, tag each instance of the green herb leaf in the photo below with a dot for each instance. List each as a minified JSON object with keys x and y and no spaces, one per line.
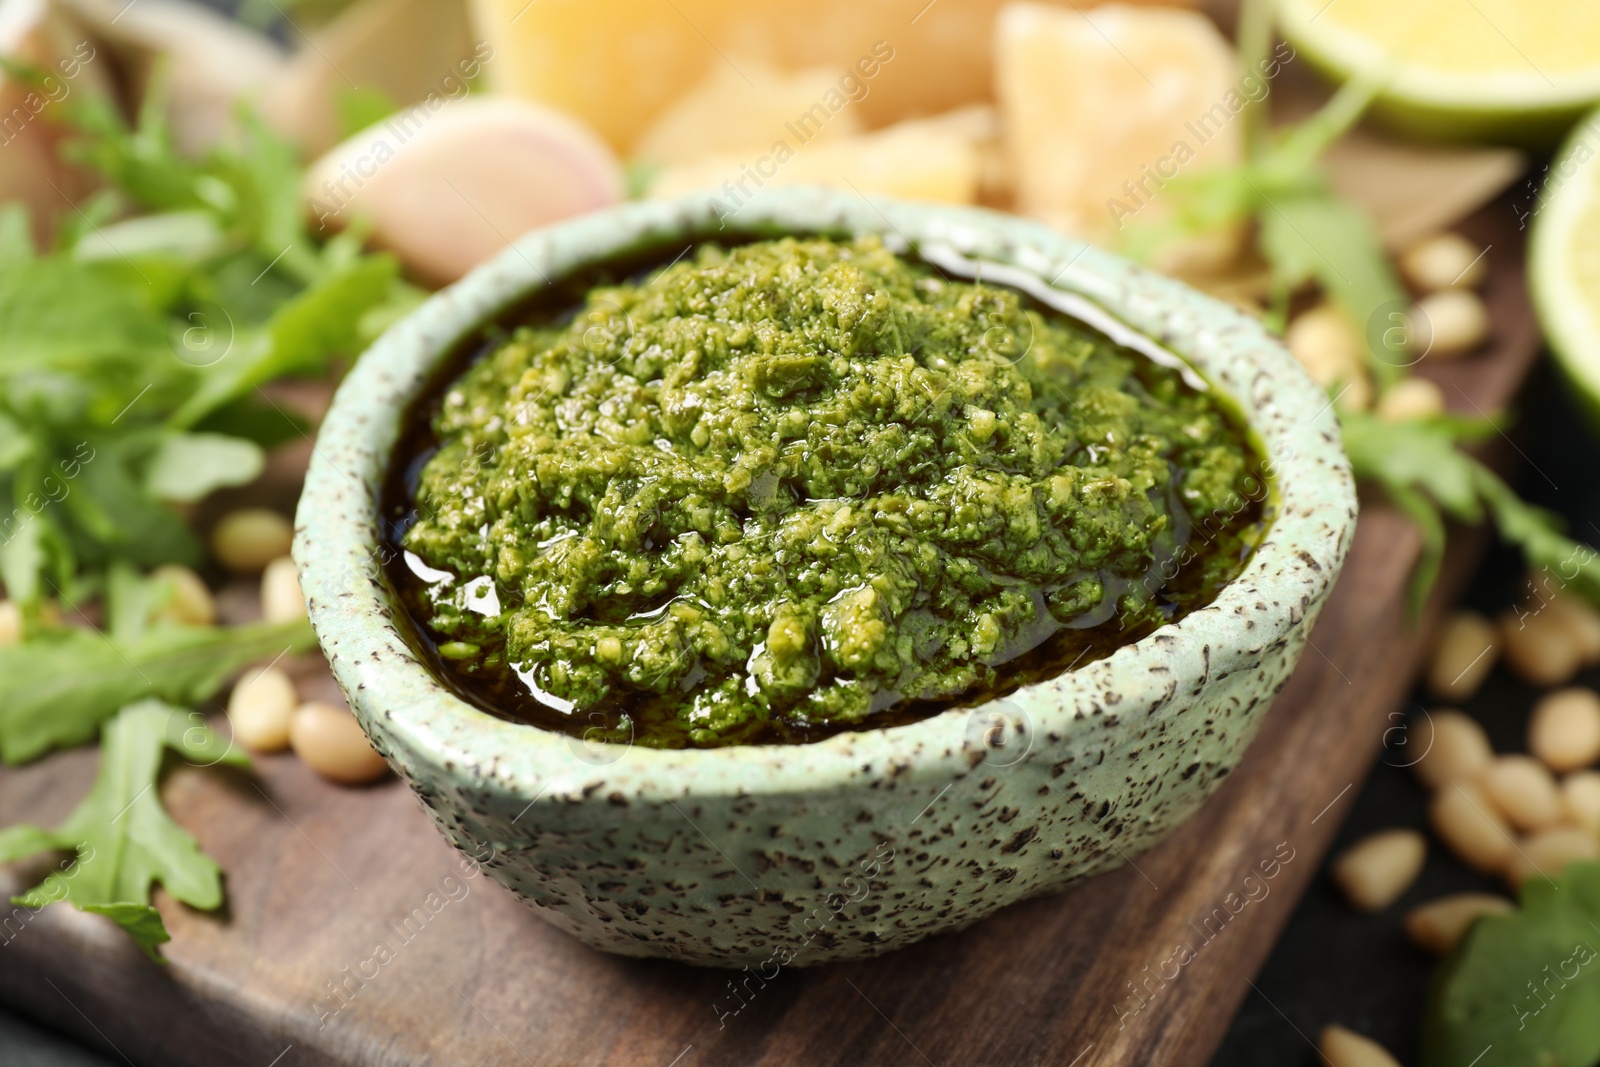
{"x":323,"y":320}
{"x":185,"y":234}
{"x":56,"y":691}
{"x":1304,"y":231}
{"x":187,"y":466}
{"x":1422,"y":511}
{"x":16,"y":444}
{"x":141,"y":921}
{"x":255,"y":418}
{"x":111,"y":506}
{"x":1314,"y":235}
{"x":16,"y":236}
{"x":1523,"y":989}
{"x":1294,"y":156}
{"x":1420,"y":454}
{"x":22,"y":557}
{"x":60,"y":313}
{"x":1420,"y":464}
{"x":124,"y":840}
{"x":1540,"y":536}
{"x":130,"y":358}
{"x":133,"y":602}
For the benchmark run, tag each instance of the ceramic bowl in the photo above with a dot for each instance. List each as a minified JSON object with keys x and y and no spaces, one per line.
{"x":863,"y":842}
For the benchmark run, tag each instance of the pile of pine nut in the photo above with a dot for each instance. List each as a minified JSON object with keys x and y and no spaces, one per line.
{"x":1508,"y":815}
{"x":1448,"y":321}
{"x":264,"y":710}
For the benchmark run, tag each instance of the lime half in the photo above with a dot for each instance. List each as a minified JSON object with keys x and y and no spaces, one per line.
{"x":1564,"y":258}
{"x":1519,"y":71}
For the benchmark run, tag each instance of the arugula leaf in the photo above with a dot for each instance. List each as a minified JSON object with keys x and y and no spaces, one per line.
{"x":254,"y":418}
{"x":1420,"y":464}
{"x":1419,"y":454}
{"x":109,"y":411}
{"x":22,"y":559}
{"x":323,"y":319}
{"x":1307,"y":234}
{"x":251,"y":187}
{"x":56,"y":691}
{"x":16,"y":236}
{"x":1539,"y":533}
{"x":1294,"y":156}
{"x":1304,"y":231}
{"x":133,"y":602}
{"x":142,"y":341}
{"x":65,"y":314}
{"x":185,"y":234}
{"x":16,"y":444}
{"x":327,"y":316}
{"x":115,"y":516}
{"x":187,"y":466}
{"x":124,"y":840}
{"x":1314,"y":235}
{"x":1523,"y":988}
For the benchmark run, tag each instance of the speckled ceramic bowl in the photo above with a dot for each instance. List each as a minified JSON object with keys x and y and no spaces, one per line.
{"x":864,"y":842}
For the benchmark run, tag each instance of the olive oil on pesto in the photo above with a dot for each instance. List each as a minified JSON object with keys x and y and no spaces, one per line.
{"x":775,"y":491}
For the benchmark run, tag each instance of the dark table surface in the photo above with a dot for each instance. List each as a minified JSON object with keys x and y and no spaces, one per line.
{"x":1332,"y":965}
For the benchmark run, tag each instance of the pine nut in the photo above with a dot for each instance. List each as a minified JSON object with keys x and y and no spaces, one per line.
{"x":1331,"y":350}
{"x":1346,"y":1048}
{"x":1325,"y":343}
{"x":1548,"y":854}
{"x":1444,"y":260}
{"x":1580,"y":796}
{"x":281,"y":599}
{"x":1469,"y":645}
{"x":1358,"y":395}
{"x":1449,"y":323}
{"x":1437,"y":925}
{"x":1564,"y":730}
{"x":259,"y":709}
{"x":1471,"y":827}
{"x":331,"y":743}
{"x":1376,"y":870}
{"x":1455,"y":749}
{"x":1541,"y":650}
{"x":1581,"y":621}
{"x":10,"y":623}
{"x":247,"y":540}
{"x":190,"y":602}
{"x":1411,"y":398}
{"x":1522,"y":790}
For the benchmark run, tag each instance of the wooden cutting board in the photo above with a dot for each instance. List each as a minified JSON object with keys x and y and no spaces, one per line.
{"x":320,"y":877}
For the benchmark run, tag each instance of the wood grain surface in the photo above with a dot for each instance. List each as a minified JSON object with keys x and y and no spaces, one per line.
{"x":354,"y":935}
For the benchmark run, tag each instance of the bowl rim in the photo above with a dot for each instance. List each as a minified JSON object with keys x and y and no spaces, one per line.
{"x":419,"y":722}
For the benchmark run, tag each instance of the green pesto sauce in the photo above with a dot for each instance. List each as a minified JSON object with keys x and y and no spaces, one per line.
{"x":774,"y":491}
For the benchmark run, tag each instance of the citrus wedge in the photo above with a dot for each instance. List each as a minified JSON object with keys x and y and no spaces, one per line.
{"x":1517,"y":71}
{"x":1564,"y":258}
